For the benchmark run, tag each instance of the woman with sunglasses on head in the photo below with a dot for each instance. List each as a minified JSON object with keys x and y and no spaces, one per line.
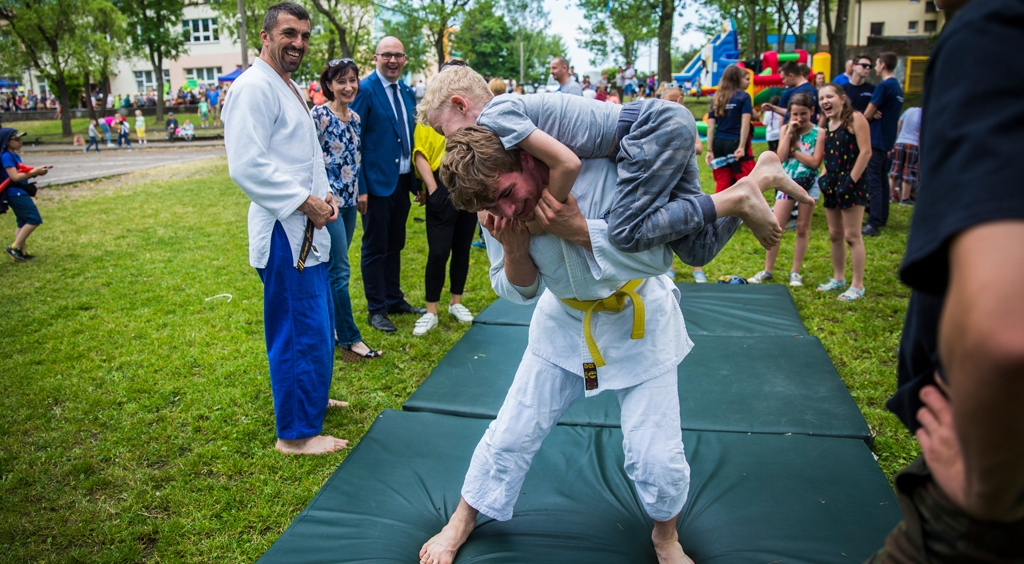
{"x":337,"y":127}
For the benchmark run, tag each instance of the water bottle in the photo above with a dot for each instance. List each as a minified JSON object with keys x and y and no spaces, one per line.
{"x":722,"y":161}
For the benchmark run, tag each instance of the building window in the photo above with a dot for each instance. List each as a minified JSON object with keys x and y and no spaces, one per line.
{"x":146,"y":80}
{"x":931,"y":26}
{"x":877,"y":28}
{"x":912,"y":27}
{"x":206,"y":76}
{"x":201,"y":31}
{"x":930,"y":8}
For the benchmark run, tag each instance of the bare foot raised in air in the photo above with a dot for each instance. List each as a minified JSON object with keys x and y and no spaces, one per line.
{"x":332,"y":403}
{"x":443,"y":546}
{"x":666,"y":544}
{"x":768,"y":174}
{"x":745,"y":201}
{"x":321,"y":444}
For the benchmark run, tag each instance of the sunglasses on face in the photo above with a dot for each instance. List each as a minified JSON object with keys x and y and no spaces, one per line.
{"x":865,"y":65}
{"x":336,"y":62}
{"x":389,"y":56}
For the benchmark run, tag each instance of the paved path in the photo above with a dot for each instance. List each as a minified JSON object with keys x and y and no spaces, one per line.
{"x":74,"y":166}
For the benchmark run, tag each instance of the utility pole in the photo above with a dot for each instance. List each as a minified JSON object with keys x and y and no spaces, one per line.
{"x":522,"y":73}
{"x":242,"y":34}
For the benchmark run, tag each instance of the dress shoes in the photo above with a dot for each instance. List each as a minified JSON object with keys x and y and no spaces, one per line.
{"x":404,"y":307}
{"x":870,"y":231}
{"x":380,"y":322}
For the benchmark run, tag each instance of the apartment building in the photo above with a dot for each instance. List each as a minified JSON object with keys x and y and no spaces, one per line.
{"x":210,"y":52}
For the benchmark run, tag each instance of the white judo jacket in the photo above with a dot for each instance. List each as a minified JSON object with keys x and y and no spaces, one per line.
{"x":566,"y":270}
{"x":275,"y":158}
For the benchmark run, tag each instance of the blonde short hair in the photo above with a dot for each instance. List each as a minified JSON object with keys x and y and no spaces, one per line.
{"x":497,"y":86}
{"x":473,"y":164}
{"x":453,"y":80}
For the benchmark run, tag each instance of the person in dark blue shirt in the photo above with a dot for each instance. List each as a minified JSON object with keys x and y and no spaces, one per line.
{"x":729,"y":130}
{"x":25,"y":210}
{"x":796,"y":83}
{"x":960,"y":361}
{"x":858,"y":90}
{"x":883,"y":113}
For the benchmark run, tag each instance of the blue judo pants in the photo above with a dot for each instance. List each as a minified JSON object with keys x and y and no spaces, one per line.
{"x":298,"y":319}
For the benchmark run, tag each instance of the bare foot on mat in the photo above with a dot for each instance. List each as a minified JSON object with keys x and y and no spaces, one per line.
{"x":321,"y":444}
{"x":443,"y":546}
{"x":666,"y":543}
{"x":336,"y":403}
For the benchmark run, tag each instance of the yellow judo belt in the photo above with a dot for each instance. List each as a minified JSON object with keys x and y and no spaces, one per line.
{"x":614,"y":303}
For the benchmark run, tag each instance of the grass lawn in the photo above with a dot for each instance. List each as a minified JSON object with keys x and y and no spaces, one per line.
{"x":138,"y":419}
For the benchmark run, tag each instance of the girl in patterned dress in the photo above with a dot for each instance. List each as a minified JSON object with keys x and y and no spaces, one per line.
{"x":801,"y":146}
{"x":337,"y":127}
{"x":843,"y":188}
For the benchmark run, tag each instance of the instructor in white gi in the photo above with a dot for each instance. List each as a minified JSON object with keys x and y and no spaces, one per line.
{"x":275,"y":157}
{"x":635,"y":341}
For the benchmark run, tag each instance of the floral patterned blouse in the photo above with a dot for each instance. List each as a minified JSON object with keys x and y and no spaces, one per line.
{"x":342,"y":157}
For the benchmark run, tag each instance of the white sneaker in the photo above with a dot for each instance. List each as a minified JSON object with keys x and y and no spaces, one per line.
{"x":424,"y":324}
{"x":763,"y":276}
{"x":461,"y":313}
{"x":795,"y":279}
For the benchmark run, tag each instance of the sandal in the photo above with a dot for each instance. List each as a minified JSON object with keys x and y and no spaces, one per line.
{"x":349,"y":355}
{"x":832,"y":285}
{"x":851,"y":294}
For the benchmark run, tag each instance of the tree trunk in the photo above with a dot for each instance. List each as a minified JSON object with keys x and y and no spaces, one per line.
{"x":801,"y":10}
{"x":65,"y":105}
{"x":157,"y":60}
{"x":751,"y":46}
{"x":88,"y":97}
{"x":439,"y":47}
{"x":837,"y":34}
{"x":105,"y":89}
{"x":668,"y":8}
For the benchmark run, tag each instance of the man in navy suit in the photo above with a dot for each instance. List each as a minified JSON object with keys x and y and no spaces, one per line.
{"x":387,"y":107}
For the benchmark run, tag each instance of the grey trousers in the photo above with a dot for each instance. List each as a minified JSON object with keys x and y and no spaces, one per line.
{"x":658,"y":197}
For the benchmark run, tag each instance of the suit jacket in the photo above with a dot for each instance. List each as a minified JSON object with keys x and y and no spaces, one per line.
{"x":381,"y":138}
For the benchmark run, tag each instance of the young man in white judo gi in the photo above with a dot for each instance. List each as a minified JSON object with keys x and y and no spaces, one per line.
{"x":634,"y":351}
{"x":275,"y":158}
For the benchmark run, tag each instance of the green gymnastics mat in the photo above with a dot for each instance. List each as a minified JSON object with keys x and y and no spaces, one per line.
{"x":766,"y":384}
{"x":709,"y":309}
{"x":753,"y":498}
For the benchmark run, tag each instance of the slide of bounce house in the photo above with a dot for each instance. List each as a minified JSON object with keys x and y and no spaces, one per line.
{"x":708,"y":65}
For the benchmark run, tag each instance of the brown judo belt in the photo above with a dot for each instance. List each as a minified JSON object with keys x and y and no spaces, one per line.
{"x":307,"y":244}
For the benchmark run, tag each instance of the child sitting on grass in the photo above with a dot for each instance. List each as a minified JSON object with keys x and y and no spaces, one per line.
{"x":658,"y":198}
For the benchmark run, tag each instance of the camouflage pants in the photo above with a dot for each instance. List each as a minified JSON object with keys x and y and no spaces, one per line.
{"x":935,"y":530}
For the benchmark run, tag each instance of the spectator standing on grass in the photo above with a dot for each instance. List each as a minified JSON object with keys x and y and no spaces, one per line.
{"x":883,"y":113}
{"x":94,"y":139}
{"x":772,"y":126}
{"x":796,"y":82}
{"x":845,"y":76}
{"x":105,"y":123}
{"x":420,"y":90}
{"x":387,"y":107}
{"x":275,"y":158}
{"x":338,"y":129}
{"x":566,"y":83}
{"x":25,"y":210}
{"x":204,"y":112}
{"x":449,"y":234}
{"x":905,"y":156}
{"x":140,"y":127}
{"x":843,"y":189}
{"x":960,"y":386}
{"x":214,"y":98}
{"x":858,"y":90}
{"x":123,"y":129}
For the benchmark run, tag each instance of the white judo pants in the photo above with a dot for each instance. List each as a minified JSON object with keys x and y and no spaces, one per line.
{"x":539,"y":396}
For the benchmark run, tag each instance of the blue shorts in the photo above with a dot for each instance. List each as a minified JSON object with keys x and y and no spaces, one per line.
{"x":25,"y":210}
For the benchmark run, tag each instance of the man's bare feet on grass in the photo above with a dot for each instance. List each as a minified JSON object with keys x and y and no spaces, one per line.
{"x":768,"y":174}
{"x":666,"y":544}
{"x":332,"y":403}
{"x":321,"y":444}
{"x":443,"y":546}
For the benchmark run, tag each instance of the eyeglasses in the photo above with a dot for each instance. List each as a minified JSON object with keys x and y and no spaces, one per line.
{"x":864,"y":65}
{"x":670,"y":85}
{"x":389,"y":56}
{"x":336,"y":62}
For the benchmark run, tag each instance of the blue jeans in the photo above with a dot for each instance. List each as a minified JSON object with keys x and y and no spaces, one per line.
{"x":341,"y":237}
{"x":106,"y":130}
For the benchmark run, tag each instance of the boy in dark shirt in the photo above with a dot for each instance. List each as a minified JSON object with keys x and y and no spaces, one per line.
{"x":796,"y":83}
{"x":961,"y":362}
{"x":858,"y":90}
{"x":883,"y":114}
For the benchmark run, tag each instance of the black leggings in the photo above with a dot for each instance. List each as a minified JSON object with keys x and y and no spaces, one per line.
{"x":449,"y":232}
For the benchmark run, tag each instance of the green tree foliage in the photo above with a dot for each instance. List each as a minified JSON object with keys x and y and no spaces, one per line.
{"x":618,"y":29}
{"x":755,"y":19}
{"x":532,"y":48}
{"x":59,"y":39}
{"x":155,"y":28}
{"x":434,"y":19}
{"x":486,"y":43}
{"x":348,"y":25}
{"x":227,"y":10}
